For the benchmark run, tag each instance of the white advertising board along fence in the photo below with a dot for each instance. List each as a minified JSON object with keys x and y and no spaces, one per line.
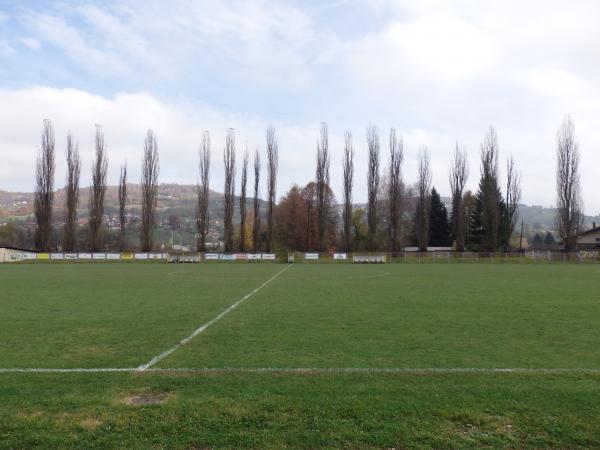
{"x":84,"y":256}
{"x":71,"y":256}
{"x":253,"y":256}
{"x":211,"y":256}
{"x":268,"y":256}
{"x":340,"y":256}
{"x":57,"y":256}
{"x":98,"y":256}
{"x":311,"y":256}
{"x":141,"y":256}
{"x":28,"y":256}
{"x":240,"y":256}
{"x":226,"y":257}
{"x":155,"y":256}
{"x":113,"y":256}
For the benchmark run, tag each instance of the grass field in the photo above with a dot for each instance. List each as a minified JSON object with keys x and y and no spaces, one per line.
{"x":405,"y":356}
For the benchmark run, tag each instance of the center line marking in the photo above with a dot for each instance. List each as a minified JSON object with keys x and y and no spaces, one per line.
{"x":200,"y":329}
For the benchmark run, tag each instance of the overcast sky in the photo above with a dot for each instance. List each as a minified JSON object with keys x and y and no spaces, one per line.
{"x":438,"y":71}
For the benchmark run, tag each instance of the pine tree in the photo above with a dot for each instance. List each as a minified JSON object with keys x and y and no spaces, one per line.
{"x":549,"y":239}
{"x":439,"y":228}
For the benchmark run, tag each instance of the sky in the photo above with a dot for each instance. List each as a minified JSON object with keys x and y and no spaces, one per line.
{"x":440,"y":72}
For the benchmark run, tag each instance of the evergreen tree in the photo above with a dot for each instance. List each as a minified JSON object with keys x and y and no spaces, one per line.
{"x":549,"y":239}
{"x":439,"y":228}
{"x":537,"y":240}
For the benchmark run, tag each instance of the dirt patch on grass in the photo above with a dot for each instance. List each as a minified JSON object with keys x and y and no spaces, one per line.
{"x":146,"y":398}
{"x":90,"y":423}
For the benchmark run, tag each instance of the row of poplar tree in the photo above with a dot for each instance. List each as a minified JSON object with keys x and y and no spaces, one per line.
{"x":396,"y":214}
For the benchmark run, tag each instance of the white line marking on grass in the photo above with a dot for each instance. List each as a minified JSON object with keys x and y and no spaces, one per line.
{"x":71,"y":370}
{"x":200,"y":329}
{"x":318,"y":370}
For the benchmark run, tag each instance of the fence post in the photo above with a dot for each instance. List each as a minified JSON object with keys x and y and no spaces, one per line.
{"x":477,"y":257}
{"x":404,"y":256}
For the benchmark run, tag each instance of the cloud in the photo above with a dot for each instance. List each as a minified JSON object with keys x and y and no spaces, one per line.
{"x":438,"y":71}
{"x":31,"y":43}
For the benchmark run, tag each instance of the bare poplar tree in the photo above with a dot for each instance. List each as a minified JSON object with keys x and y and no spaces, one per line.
{"x":372,"y":183}
{"x":322,"y":184}
{"x":272,"y":164}
{"x":97,"y":192}
{"x":244,"y":181}
{"x":229,"y":191}
{"x":513,"y":197}
{"x":122,"y":205}
{"x":256,"y":205}
{"x":72,"y":193}
{"x":423,"y":199}
{"x":203,"y":192}
{"x":44,"y":186}
{"x":459,"y":172}
{"x":150,"y":169}
{"x":491,"y":196}
{"x":348,"y":169}
{"x":569,"y":203}
{"x":395,"y":188}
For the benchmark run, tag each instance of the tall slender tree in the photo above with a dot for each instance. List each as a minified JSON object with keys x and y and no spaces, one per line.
{"x":72,"y":193}
{"x":322,"y":185}
{"x":229,"y":191}
{"x":395,"y":188}
{"x":423,"y":200}
{"x":272,"y":165}
{"x":44,"y":187}
{"x":203,"y":193}
{"x":459,"y":172}
{"x":122,"y":206}
{"x":244,"y":182}
{"x":486,"y":220}
{"x":372,"y":184}
{"x":97,"y":192}
{"x":150,"y":169}
{"x":348,"y":170}
{"x":256,"y":204}
{"x":513,"y":197}
{"x":569,"y":203}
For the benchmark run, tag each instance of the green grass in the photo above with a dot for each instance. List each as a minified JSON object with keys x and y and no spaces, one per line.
{"x":311,"y":316}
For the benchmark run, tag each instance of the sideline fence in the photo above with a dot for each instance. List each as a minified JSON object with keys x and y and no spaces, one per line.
{"x":405,"y":257}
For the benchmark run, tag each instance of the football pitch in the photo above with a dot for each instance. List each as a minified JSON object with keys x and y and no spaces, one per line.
{"x":136,"y":355}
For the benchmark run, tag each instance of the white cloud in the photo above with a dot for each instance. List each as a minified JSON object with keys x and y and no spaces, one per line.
{"x":31,"y":43}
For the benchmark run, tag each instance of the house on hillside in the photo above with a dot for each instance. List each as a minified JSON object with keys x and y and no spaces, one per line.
{"x":590,"y":239}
